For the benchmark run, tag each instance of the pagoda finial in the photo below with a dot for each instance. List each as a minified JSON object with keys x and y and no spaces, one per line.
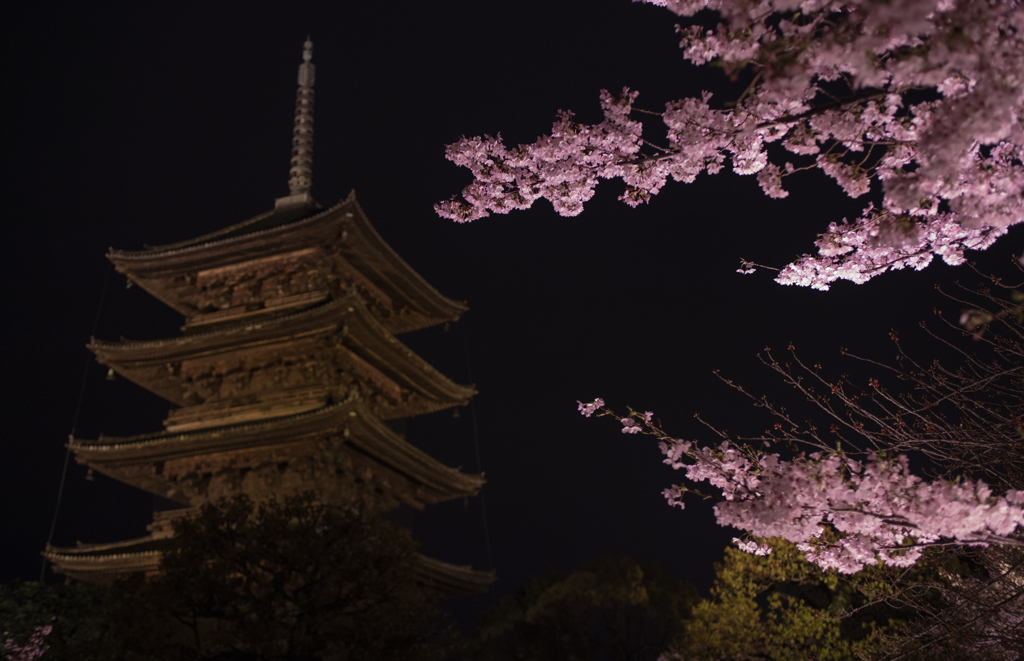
{"x":300,"y":176}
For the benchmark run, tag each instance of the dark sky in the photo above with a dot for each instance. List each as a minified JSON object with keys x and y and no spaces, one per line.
{"x":139,"y":124}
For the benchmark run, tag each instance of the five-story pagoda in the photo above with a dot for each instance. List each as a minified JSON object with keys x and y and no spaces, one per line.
{"x":288,"y":375}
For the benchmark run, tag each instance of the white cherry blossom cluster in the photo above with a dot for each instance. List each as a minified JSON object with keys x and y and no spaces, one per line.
{"x":877,"y":505}
{"x":588,"y":409}
{"x":916,"y":103}
{"x":752,"y":547}
{"x":882,"y":240}
{"x":881,"y":512}
{"x":629,"y":425}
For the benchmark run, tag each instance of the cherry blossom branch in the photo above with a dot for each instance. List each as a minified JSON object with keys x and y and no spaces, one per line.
{"x":949,"y":170}
{"x":882,"y":512}
{"x":853,"y":501}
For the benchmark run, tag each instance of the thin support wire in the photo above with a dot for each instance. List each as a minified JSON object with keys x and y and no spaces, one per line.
{"x":74,"y":420}
{"x":476,"y":443}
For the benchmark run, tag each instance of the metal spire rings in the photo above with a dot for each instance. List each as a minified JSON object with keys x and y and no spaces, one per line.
{"x":300,"y":176}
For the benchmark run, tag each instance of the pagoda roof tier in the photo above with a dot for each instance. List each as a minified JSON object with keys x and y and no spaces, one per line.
{"x":105,"y":563}
{"x":283,"y":365}
{"x":287,"y":258}
{"x":341,"y":449}
{"x":454,"y":580}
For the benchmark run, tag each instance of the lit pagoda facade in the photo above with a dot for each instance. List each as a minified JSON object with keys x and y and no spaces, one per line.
{"x":288,"y":375}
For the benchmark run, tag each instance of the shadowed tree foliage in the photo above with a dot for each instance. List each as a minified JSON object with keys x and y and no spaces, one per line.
{"x":781,"y":607}
{"x":93,"y":622}
{"x":298,"y":579}
{"x":612,"y":608}
{"x":26,"y":606}
{"x":289,"y":579}
{"x":969,"y":606}
{"x":961,"y":419}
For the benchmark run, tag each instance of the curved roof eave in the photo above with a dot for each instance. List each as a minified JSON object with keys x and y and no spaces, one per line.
{"x":442,"y":307}
{"x":145,"y":553}
{"x":288,"y":218}
{"x":352,"y":304}
{"x":382,"y":444}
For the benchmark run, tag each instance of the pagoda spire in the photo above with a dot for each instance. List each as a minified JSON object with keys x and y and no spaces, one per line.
{"x":300,"y":175}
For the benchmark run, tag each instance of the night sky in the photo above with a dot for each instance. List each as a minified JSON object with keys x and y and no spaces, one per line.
{"x":148,"y":125}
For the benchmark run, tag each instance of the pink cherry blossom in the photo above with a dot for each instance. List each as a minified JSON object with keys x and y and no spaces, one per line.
{"x":881,"y":511}
{"x":33,"y":649}
{"x":877,"y":505}
{"x":629,"y":426}
{"x":588,"y":410}
{"x":836,"y":85}
{"x":752,"y":547}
